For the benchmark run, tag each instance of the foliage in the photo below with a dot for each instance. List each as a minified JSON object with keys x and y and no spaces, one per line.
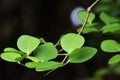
{"x":111,"y":26}
{"x":42,"y":55}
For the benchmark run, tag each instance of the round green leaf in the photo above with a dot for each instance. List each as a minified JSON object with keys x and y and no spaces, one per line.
{"x":46,"y":52}
{"x":114,"y":59}
{"x":110,"y":46}
{"x":10,"y":56}
{"x":71,"y":41}
{"x":27,"y":43}
{"x":31,"y":64}
{"x":82,"y":55}
{"x":82,"y":15}
{"x":48,"y":66}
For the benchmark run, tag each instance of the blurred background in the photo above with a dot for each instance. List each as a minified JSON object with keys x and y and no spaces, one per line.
{"x":48,"y":19}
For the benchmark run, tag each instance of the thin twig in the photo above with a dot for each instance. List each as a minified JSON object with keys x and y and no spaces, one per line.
{"x":60,"y":50}
{"x":64,"y":59}
{"x":56,"y":68}
{"x":87,"y":16}
{"x":83,"y":26}
{"x":49,"y":72}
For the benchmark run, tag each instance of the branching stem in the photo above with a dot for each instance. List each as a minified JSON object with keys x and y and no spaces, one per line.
{"x":81,"y":30}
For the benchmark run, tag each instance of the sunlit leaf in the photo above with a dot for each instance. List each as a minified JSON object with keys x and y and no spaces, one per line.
{"x":9,"y":49}
{"x":89,"y":28}
{"x":114,"y":59}
{"x":42,"y":40}
{"x":34,"y":59}
{"x":31,"y":64}
{"x":27,"y":43}
{"x":46,"y":52}
{"x":48,"y":66}
{"x":82,"y":55}
{"x":10,"y":56}
{"x":82,"y":16}
{"x":71,"y":41}
{"x":110,"y":46}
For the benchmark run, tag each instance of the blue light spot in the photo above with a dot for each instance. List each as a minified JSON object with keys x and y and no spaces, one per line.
{"x":74,"y":18}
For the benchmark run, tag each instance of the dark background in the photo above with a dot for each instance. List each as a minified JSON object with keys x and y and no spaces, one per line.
{"x":47,"y":19}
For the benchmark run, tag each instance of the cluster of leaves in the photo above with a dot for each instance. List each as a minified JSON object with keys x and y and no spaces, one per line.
{"x":108,"y":25}
{"x":109,"y":6}
{"x":111,"y":46}
{"x":111,"y":25}
{"x":41,"y":55}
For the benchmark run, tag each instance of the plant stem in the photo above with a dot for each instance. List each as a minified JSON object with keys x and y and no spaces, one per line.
{"x":87,"y":16}
{"x":83,"y":26}
{"x":81,"y":30}
{"x":21,"y":63}
{"x":60,"y":50}
{"x":64,"y":59}
{"x":62,"y":54}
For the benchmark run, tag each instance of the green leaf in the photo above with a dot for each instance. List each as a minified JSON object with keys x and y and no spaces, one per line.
{"x":9,"y":49}
{"x":19,"y":59}
{"x":107,"y":19}
{"x":46,"y":52}
{"x":114,"y":59}
{"x":82,"y":16}
{"x":27,"y":43}
{"x":113,"y":28}
{"x":58,"y":42}
{"x":44,"y":66}
{"x":48,"y":66}
{"x":105,"y":8}
{"x":34,"y":59}
{"x":81,"y":55}
{"x":10,"y":56}
{"x":71,"y":41}
{"x":110,"y":46}
{"x":31,"y":64}
{"x":42,"y":40}
{"x":89,"y":28}
{"x":101,"y":72}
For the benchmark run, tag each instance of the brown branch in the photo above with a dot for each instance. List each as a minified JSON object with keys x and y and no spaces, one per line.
{"x":87,"y":16}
